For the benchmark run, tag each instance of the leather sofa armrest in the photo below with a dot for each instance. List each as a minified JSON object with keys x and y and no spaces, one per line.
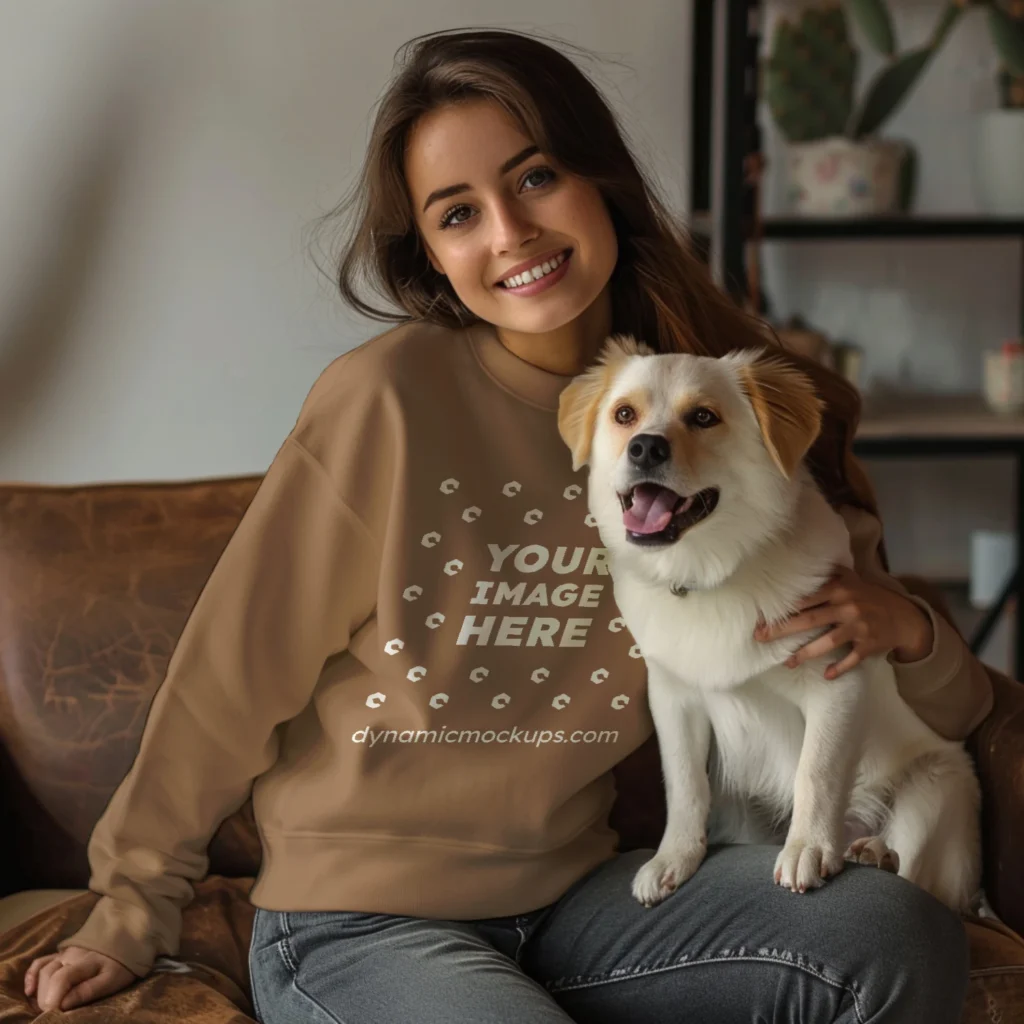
{"x":997,"y":746}
{"x":10,"y":880}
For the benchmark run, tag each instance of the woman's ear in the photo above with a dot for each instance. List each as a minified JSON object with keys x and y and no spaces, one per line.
{"x":434,"y":261}
{"x":787,"y":408}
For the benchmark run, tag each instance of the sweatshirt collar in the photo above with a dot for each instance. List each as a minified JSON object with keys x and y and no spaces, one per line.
{"x":523,"y":379}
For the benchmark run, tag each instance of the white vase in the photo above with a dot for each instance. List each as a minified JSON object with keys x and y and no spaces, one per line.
{"x":837,"y":177}
{"x":1003,"y":379}
{"x":999,"y":162}
{"x":993,"y":556}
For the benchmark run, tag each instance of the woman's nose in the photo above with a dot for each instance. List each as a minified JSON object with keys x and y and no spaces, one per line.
{"x":512,"y":227}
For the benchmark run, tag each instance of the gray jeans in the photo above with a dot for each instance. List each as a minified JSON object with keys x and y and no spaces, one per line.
{"x":728,"y":946}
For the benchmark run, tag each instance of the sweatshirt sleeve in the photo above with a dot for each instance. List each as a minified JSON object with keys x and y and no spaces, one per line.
{"x":295,"y":581}
{"x":948,"y":688}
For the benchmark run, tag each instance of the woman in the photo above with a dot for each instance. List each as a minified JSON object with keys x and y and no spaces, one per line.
{"x":422,"y":514}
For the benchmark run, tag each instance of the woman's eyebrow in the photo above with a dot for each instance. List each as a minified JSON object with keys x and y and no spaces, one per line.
{"x":451,"y":190}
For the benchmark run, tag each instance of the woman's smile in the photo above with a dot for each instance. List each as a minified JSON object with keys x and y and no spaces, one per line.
{"x":538,"y":277}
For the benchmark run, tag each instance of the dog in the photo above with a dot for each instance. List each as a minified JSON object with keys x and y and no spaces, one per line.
{"x":713,"y":523}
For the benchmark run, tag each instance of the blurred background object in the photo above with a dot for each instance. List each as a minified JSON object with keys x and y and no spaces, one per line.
{"x":1004,"y":378}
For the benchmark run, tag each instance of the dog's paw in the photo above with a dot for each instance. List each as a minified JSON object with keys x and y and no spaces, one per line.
{"x":805,"y":865}
{"x":872,"y":850}
{"x":665,"y":872}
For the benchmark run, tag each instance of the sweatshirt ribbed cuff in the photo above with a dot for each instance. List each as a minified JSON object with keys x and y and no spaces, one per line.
{"x":104,"y":932}
{"x":939,"y":665}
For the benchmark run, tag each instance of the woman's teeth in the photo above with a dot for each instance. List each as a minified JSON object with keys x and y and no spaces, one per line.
{"x":535,"y":273}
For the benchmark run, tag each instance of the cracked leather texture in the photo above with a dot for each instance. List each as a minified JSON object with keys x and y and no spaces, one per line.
{"x":96,"y":584}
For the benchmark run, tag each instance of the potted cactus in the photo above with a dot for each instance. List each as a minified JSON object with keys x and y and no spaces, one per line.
{"x":837,"y":164}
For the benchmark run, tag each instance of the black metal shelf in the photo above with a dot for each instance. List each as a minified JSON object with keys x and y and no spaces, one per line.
{"x":907,"y":226}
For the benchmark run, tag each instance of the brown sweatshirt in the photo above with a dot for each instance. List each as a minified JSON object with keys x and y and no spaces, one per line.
{"x":410,"y":654}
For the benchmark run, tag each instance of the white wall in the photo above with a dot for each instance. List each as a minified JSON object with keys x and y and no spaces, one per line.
{"x":159,"y":315}
{"x":923,"y":310}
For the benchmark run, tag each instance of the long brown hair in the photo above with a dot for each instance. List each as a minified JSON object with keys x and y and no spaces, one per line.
{"x":661,"y":292}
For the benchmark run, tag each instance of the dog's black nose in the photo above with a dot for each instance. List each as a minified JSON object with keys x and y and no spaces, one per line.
{"x":649,"y":450}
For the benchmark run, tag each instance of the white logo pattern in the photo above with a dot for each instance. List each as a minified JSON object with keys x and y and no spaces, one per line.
{"x":451,"y":568}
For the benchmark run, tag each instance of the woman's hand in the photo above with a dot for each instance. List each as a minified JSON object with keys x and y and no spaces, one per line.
{"x":73,"y":977}
{"x":872,"y":618}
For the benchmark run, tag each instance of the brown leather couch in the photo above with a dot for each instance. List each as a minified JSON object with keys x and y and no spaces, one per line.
{"x":95,"y":585}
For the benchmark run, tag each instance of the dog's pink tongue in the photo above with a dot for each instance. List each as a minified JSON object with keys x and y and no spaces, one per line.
{"x":651,"y":510}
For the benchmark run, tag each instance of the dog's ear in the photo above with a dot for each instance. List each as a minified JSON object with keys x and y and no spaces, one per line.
{"x":580,"y":400}
{"x":618,"y":347}
{"x":787,"y":408}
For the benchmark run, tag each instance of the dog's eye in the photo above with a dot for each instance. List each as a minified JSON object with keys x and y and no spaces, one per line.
{"x":625,"y":414}
{"x":702,"y":417}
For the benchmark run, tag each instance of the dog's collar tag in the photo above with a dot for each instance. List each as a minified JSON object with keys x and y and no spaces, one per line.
{"x":679,"y":590}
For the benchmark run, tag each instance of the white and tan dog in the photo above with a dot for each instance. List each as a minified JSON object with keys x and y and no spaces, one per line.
{"x":712,"y":521}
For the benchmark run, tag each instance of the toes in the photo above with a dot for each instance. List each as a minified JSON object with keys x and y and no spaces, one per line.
{"x":664,"y":873}
{"x":872,"y":851}
{"x":801,"y":867}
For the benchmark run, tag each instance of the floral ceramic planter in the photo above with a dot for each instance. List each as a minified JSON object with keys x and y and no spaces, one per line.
{"x":837,"y":177}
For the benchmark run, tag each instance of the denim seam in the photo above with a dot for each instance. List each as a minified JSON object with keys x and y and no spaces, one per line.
{"x":594,"y":980}
{"x":252,"y":973}
{"x":288,"y":956}
{"x":522,"y":940}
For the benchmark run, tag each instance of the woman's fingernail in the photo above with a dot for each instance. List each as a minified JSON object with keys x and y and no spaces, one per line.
{"x":791,"y":662}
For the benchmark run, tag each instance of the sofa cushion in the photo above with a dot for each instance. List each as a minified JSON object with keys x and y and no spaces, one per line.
{"x":209,"y":983}
{"x":996,"y":989}
{"x":20,"y":906}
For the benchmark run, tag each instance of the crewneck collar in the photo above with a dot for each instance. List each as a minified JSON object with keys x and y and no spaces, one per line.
{"x":526,"y":381}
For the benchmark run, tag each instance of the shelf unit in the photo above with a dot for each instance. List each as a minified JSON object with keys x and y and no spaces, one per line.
{"x":909,"y":226}
{"x":725,"y":140}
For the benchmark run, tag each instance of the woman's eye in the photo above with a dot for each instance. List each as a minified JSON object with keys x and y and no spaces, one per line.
{"x":449,"y":217}
{"x":546,"y":171}
{"x":624,"y":414}
{"x":703,"y":417}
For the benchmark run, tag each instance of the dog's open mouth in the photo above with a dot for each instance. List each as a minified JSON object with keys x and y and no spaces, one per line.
{"x":653,"y":514}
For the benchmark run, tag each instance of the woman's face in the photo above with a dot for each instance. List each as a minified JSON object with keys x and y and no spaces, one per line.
{"x":489,"y":205}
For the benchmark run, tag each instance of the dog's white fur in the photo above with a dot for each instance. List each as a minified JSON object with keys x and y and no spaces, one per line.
{"x":749,"y":746}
